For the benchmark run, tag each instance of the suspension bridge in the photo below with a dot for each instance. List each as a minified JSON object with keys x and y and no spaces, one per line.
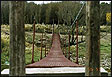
{"x":55,"y":57}
{"x":55,"y":63}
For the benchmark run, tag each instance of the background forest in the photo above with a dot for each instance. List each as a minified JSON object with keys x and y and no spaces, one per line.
{"x":62,"y":12}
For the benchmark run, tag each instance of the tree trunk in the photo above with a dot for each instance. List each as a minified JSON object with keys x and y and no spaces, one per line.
{"x":17,"y":39}
{"x":93,"y":38}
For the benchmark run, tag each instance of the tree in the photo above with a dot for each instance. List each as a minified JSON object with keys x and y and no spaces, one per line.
{"x":93,"y":39}
{"x":43,"y":13}
{"x":39,"y":13}
{"x":48,"y":10}
{"x":17,"y":39}
{"x":62,"y":12}
{"x":104,"y":8}
{"x":5,"y":12}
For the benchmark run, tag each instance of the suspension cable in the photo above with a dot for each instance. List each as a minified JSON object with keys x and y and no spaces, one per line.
{"x":78,"y":14}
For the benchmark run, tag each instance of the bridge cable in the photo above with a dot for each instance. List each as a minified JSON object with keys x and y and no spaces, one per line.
{"x":78,"y":14}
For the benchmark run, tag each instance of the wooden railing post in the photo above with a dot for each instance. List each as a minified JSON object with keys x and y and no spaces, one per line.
{"x":33,"y":42}
{"x":77,"y":42}
{"x":53,"y":26}
{"x":41,"y":46}
{"x":69,"y":45}
{"x":45,"y":47}
{"x":65,"y":47}
{"x":52,"y":32}
{"x":45,"y":44}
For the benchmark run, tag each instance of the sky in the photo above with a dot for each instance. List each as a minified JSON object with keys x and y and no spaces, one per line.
{"x":45,"y":2}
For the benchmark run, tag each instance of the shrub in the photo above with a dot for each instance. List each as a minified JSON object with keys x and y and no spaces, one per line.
{"x":105,"y":29}
{"x":28,"y":27}
{"x":5,"y":50}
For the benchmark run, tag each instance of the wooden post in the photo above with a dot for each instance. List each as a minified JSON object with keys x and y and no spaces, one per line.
{"x":41,"y":46}
{"x":45,"y":48}
{"x":77,"y":42}
{"x":17,"y":38}
{"x":82,"y":33}
{"x":93,"y":38}
{"x":52,"y":31}
{"x":62,"y":46}
{"x":69,"y":46}
{"x":33,"y":42}
{"x":45,"y":44}
{"x":65,"y":47}
{"x":53,"y":26}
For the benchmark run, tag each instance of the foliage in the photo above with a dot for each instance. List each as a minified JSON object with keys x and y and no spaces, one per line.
{"x":63,"y":12}
{"x":104,"y":8}
{"x":105,"y":28}
{"x":28,"y":27}
{"x":108,"y":17}
{"x":5,"y":48}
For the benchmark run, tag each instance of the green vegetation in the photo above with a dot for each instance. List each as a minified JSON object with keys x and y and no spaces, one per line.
{"x":63,"y":11}
{"x":105,"y":44}
{"x":105,"y":29}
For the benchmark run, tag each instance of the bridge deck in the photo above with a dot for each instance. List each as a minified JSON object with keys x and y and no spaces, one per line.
{"x":55,"y":57}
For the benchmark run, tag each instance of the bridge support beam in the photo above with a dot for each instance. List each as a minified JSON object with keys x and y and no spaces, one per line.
{"x":93,"y":38}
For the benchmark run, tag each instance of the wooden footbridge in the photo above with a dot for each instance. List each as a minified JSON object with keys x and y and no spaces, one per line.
{"x":55,"y":63}
{"x":55,"y":57}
